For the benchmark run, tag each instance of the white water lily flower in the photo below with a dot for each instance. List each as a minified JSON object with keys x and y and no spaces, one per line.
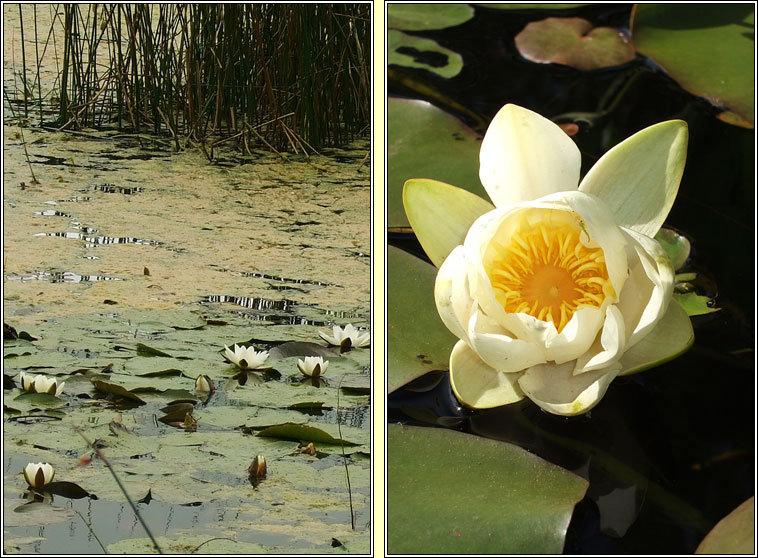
{"x":553,"y":290}
{"x":340,"y":336}
{"x":41,"y":384}
{"x":38,"y":474}
{"x":313,"y":366}
{"x":247,"y":358}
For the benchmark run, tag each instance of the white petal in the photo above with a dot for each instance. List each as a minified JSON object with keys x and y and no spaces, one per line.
{"x":610,"y":345}
{"x":555,"y":388}
{"x":495,"y":347}
{"x":451,"y":293}
{"x":525,"y":156}
{"x":578,"y":335}
{"x":643,"y":303}
{"x":477,"y":385}
{"x":230,"y":356}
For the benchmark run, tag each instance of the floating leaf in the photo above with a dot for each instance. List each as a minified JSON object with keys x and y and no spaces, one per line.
{"x":144,"y":350}
{"x":707,"y":48}
{"x":418,"y":52}
{"x":420,"y":139}
{"x":356,"y":383}
{"x":117,"y":390}
{"x":419,"y":17}
{"x":695,"y":304}
{"x":417,"y":340}
{"x":159,"y":373}
{"x":573,"y":42}
{"x":454,"y":493}
{"x":68,"y":490}
{"x":301,"y":349}
{"x":531,"y":6}
{"x":43,"y":399}
{"x":147,"y":498}
{"x":734,"y":534}
{"x":301,"y":432}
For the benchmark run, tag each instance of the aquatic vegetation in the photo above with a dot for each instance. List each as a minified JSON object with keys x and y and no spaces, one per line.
{"x":312,"y":366}
{"x":247,"y":358}
{"x":347,"y":337}
{"x":41,"y":384}
{"x":552,"y":289}
{"x":38,"y":475}
{"x":204,"y":383}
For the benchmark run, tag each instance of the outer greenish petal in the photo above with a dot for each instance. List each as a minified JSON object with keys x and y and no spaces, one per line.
{"x":440,"y":215}
{"x":476,"y":384}
{"x":525,"y":156}
{"x":555,"y":388}
{"x":670,"y":337}
{"x":639,"y":177}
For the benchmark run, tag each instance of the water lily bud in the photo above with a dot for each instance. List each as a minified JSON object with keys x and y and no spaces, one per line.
{"x":38,"y":474}
{"x":312,"y":366}
{"x":247,"y":358}
{"x":257,"y":469}
{"x":310,"y":449}
{"x":204,"y":383}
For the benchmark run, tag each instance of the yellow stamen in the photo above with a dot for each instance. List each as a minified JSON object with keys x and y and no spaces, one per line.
{"x":541,"y":267}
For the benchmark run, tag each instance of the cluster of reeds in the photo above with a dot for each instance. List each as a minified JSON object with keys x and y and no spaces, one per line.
{"x":290,"y":76}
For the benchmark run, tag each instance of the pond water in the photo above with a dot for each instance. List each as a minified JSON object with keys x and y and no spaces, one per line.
{"x":185,"y":257}
{"x":671,"y":451}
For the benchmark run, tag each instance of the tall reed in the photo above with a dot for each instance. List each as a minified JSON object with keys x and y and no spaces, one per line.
{"x":291,"y":76}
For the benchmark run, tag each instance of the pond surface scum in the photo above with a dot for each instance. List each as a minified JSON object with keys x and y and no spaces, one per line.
{"x":105,"y":256}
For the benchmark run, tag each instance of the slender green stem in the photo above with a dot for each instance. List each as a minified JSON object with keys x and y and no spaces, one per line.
{"x":121,"y":487}
{"x":344,"y":457}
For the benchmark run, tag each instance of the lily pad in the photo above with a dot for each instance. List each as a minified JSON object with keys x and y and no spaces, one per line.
{"x":118,"y":391}
{"x":573,"y":42}
{"x":695,"y":304}
{"x":420,"y":17}
{"x":419,"y":52}
{"x":301,"y":349}
{"x":454,"y":493}
{"x":531,"y":6}
{"x":417,"y":340}
{"x":735,"y":534}
{"x":420,"y":138}
{"x":302,"y":432}
{"x":707,"y":48}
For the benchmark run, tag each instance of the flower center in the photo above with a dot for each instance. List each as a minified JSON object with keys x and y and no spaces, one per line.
{"x":541,"y":267}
